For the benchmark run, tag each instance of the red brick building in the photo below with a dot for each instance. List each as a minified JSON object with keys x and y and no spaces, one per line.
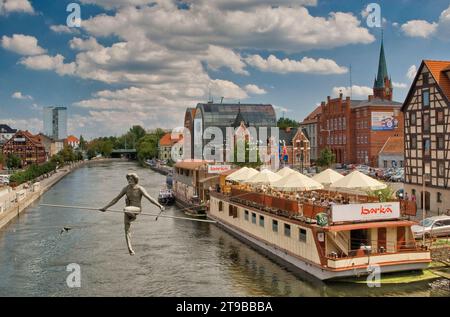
{"x":356,"y":130}
{"x":27,"y":147}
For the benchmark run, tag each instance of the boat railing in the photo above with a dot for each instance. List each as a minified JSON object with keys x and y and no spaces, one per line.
{"x":307,"y":205}
{"x":375,"y":247}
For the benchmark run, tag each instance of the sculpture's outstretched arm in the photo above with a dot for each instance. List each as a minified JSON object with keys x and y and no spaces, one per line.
{"x":151,"y":199}
{"x":115,"y":200}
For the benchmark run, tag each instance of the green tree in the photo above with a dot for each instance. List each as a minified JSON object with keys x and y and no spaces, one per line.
{"x":2,"y":159}
{"x":91,"y":153}
{"x":13,"y":161}
{"x":284,"y":123}
{"x":147,"y":147}
{"x":247,"y":159}
{"x":83,"y":143}
{"x":383,"y":195}
{"x":326,"y":158}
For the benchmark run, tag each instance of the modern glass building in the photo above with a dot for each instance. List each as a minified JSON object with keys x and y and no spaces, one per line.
{"x":223,"y":116}
{"x":55,"y":122}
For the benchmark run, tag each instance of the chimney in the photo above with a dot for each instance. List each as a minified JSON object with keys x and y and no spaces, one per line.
{"x":328,"y":99}
{"x":288,"y":129}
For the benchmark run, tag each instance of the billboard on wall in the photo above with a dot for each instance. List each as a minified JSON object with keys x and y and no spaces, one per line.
{"x":217,"y":169}
{"x":384,"y":121}
{"x":365,"y":212}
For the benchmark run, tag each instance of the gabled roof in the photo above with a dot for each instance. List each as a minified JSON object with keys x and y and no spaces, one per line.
{"x":191,"y":165}
{"x":73,"y":139}
{"x":393,"y":145}
{"x":438,"y":70}
{"x":313,"y":116}
{"x":33,"y":138}
{"x":167,"y":140}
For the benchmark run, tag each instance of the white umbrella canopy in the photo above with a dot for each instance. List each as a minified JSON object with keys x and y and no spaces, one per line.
{"x":357,"y":181}
{"x":285,"y":171}
{"x":327,"y":177}
{"x":296,"y":182}
{"x":265,"y":177}
{"x":234,"y":176}
{"x":248,"y":173}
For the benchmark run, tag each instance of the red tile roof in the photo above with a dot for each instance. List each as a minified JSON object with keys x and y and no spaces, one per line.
{"x":438,"y":69}
{"x":167,"y":139}
{"x":72,"y":139}
{"x":393,"y":145}
{"x":190,"y":165}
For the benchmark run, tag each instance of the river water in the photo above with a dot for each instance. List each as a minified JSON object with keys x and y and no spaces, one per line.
{"x":173,"y":257}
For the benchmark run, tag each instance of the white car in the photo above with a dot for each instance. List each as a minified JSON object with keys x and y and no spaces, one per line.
{"x":437,"y":226}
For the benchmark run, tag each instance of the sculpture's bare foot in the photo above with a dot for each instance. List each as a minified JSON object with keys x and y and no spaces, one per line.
{"x":131,"y":252}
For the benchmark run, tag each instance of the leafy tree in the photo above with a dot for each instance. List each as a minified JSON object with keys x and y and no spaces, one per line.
{"x":13,"y":161}
{"x":147,"y":147}
{"x":2,"y":159}
{"x":284,"y":123}
{"x":384,"y":195}
{"x":83,"y":143}
{"x":247,"y":155}
{"x":91,"y":153}
{"x":326,"y":158}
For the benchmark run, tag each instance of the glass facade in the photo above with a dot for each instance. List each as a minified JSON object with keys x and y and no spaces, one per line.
{"x":55,"y":122}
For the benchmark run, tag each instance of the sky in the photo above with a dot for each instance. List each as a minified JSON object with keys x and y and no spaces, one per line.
{"x":144,"y":61}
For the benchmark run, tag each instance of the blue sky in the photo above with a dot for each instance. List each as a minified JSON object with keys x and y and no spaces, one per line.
{"x":143,"y":62}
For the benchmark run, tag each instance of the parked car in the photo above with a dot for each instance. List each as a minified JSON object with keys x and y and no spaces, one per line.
{"x":4,"y":179}
{"x":437,"y":226}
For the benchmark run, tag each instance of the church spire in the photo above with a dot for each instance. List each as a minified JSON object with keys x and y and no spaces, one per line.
{"x":382,"y":87}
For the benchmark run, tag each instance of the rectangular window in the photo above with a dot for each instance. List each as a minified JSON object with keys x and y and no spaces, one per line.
{"x":425,"y":78}
{"x":220,"y":206}
{"x":287,"y":230}
{"x":414,"y":141}
{"x":426,"y":147}
{"x":441,"y":169}
{"x":440,"y":116}
{"x":253,"y":218}
{"x":425,"y":98}
{"x":230,"y":210}
{"x":385,"y":164}
{"x":426,"y":122}
{"x":439,"y":197}
{"x":246,"y":215}
{"x":440,"y":142}
{"x":261,"y":221}
{"x":302,"y":235}
{"x":274,"y":225}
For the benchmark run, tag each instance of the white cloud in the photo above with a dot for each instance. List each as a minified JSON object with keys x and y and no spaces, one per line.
{"x":419,"y":28}
{"x":399,"y":85}
{"x":9,"y":6}
{"x":270,"y":28}
{"x":305,"y":65}
{"x":46,"y":62}
{"x":281,"y":109}
{"x":19,"y":95}
{"x":255,"y":90}
{"x":355,"y":91}
{"x":422,"y":28}
{"x":34,"y":125}
{"x":22,"y":44}
{"x":64,"y":29}
{"x":411,"y":73}
{"x":89,"y":44}
{"x":223,"y":57}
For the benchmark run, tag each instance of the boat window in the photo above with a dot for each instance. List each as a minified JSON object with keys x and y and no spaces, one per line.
{"x":302,"y":235}
{"x":253,"y":217}
{"x":246,"y":215}
{"x":261,"y":221}
{"x":275,"y":225}
{"x":287,"y":230}
{"x":220,"y":206}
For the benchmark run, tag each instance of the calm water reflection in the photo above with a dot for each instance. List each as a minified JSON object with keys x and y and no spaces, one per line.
{"x":173,"y":258}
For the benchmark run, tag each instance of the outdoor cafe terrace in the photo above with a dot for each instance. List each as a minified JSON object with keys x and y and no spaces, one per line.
{"x":303,"y":205}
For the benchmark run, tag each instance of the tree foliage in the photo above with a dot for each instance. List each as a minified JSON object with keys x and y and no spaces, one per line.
{"x":326,"y":158}
{"x":284,"y":123}
{"x":248,"y":160}
{"x":13,"y":161}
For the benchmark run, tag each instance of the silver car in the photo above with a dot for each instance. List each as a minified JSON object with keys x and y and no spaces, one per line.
{"x":437,"y":226}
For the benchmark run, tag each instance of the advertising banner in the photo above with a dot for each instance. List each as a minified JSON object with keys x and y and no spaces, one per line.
{"x":365,"y":212}
{"x":217,"y":169}
{"x":384,"y":121}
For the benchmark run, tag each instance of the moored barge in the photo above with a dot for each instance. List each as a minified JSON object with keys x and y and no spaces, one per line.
{"x":356,"y":236}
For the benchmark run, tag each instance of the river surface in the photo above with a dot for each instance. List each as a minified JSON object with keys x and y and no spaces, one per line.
{"x":173,"y":257}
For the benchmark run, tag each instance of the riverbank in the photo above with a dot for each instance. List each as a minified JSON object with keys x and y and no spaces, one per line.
{"x":15,"y":200}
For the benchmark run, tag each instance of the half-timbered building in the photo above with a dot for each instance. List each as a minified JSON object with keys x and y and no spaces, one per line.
{"x":427,"y":136}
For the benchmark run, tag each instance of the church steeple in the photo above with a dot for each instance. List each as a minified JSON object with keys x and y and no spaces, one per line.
{"x":382,"y":87}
